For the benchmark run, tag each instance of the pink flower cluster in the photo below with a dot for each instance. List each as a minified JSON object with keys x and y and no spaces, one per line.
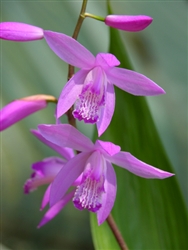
{"x":90,"y":173}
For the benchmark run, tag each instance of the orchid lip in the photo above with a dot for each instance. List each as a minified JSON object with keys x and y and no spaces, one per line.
{"x":88,"y":194}
{"x":92,"y":97}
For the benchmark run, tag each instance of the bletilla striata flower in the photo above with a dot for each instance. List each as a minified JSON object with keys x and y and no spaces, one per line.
{"x":44,"y":172}
{"x":92,"y":87}
{"x":96,"y":190}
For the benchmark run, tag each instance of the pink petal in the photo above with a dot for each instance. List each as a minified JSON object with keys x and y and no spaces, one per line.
{"x":65,"y":135}
{"x":128,"y":23}
{"x":133,"y":82}
{"x":19,"y":109}
{"x":69,"y":50}
{"x":107,"y":111}
{"x":107,"y":147}
{"x":44,"y":173}
{"x":46,"y":198}
{"x":137,"y":167}
{"x":49,"y":167}
{"x":67,"y":153}
{"x":53,"y":211}
{"x":106,"y":60}
{"x":21,"y":32}
{"x":109,"y":196}
{"x":68,"y":174}
{"x":71,"y":92}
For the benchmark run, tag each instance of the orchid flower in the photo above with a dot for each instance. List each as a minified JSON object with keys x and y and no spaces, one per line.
{"x":97,"y":189}
{"x":45,"y":172}
{"x":21,"y":108}
{"x":128,"y":22}
{"x":92,"y":87}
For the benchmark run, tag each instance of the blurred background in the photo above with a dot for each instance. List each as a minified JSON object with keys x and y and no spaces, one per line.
{"x":160,"y":52}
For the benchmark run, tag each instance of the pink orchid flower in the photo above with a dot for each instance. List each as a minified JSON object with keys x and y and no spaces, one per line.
{"x":97,"y":189}
{"x":21,"y":108}
{"x":45,"y":172}
{"x":92,"y":87}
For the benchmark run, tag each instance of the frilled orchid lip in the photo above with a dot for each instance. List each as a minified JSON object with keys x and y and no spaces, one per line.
{"x":96,"y":191}
{"x":88,"y":194}
{"x":92,"y":97}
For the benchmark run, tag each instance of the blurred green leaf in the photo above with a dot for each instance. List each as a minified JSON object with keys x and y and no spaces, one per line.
{"x":150,"y":214}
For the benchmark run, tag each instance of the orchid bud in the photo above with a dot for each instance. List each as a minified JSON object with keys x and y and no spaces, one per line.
{"x":20,"y":32}
{"x":127,"y":22}
{"x":21,"y":108}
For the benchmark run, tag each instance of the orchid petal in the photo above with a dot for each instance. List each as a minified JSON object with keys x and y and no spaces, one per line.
{"x":69,"y":50}
{"x":71,"y":92}
{"x":53,"y":211}
{"x":127,"y":22}
{"x":45,"y":172}
{"x":137,"y":167}
{"x":67,"y":153}
{"x":106,"y":60}
{"x":109,"y":196}
{"x":65,"y":135}
{"x":19,"y":109}
{"x":67,"y":175}
{"x":107,"y":147}
{"x":46,"y":198}
{"x":133,"y":82}
{"x":107,"y":111}
{"x":20,"y":32}
{"x":48,"y":167}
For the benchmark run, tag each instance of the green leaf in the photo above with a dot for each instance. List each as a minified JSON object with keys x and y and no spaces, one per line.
{"x":150,"y":214}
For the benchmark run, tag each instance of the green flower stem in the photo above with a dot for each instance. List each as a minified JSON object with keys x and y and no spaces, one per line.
{"x":80,"y":20}
{"x":99,"y":18}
